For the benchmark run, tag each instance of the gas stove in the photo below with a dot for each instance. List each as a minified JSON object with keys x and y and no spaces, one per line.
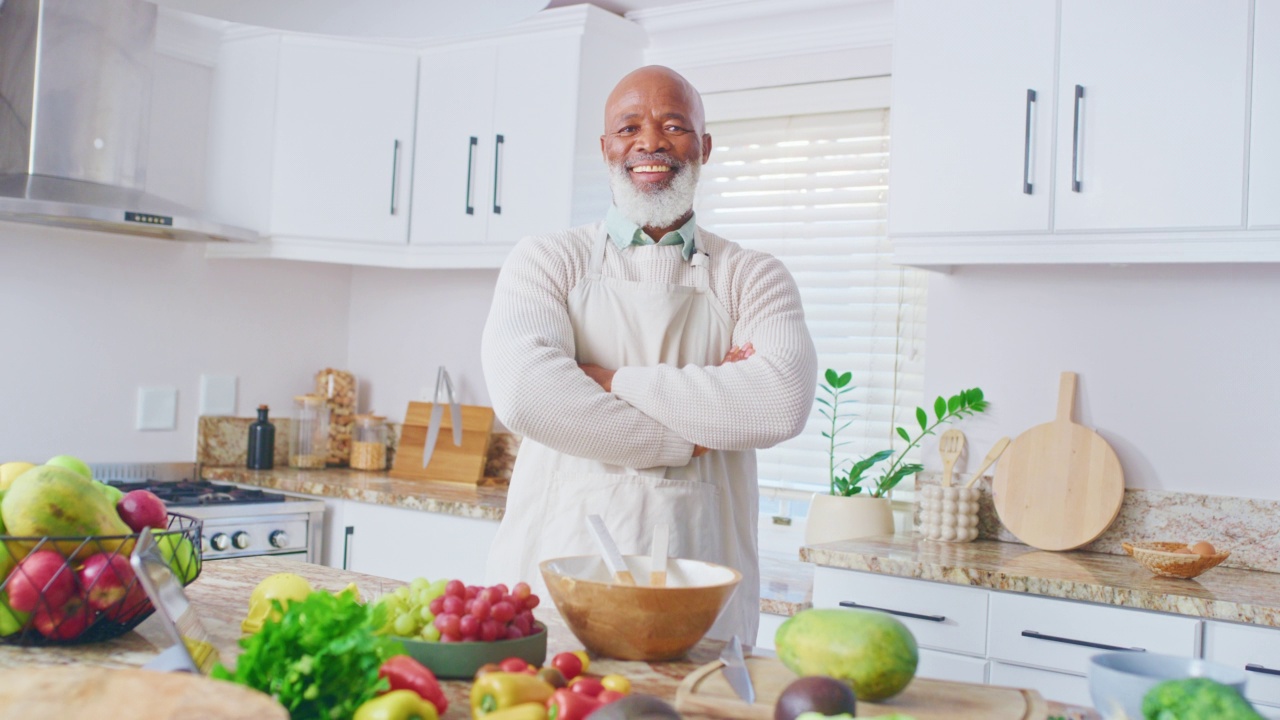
{"x":238,"y":521}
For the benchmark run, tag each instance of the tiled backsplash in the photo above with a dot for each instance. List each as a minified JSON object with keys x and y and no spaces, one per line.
{"x":224,"y":441}
{"x":1248,"y":528}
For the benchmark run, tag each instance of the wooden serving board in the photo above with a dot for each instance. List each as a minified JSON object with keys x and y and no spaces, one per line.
{"x":1059,"y":485}
{"x":706,"y":692}
{"x":82,"y":692}
{"x":452,"y":463}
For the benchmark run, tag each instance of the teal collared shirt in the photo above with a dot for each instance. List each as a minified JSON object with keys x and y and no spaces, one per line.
{"x":626,"y":233}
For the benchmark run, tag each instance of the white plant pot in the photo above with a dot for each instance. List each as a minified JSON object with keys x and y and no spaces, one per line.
{"x":833,"y":518}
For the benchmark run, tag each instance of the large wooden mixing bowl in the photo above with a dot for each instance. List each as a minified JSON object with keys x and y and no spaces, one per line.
{"x":638,"y":622}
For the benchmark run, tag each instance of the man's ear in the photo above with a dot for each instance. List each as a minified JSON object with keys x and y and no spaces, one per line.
{"x":706,"y":147}
{"x":602,"y":155}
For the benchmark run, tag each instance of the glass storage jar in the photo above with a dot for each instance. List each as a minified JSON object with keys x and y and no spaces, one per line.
{"x":338,"y":388}
{"x":309,"y":432}
{"x":369,"y":449}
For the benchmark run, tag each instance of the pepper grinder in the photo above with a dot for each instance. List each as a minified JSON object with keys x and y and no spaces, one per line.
{"x":262,"y":442}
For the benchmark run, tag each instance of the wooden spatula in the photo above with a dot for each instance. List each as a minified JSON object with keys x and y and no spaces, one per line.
{"x":1060,"y":484}
{"x":658,"y":556}
{"x":991,"y":457}
{"x":609,"y":551}
{"x":950,"y":447}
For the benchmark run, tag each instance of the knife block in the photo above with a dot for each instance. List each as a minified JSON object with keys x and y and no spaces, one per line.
{"x":449,"y":463}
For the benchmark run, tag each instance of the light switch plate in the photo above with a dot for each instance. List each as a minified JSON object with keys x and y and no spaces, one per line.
{"x":157,"y":408}
{"x":218,"y":395}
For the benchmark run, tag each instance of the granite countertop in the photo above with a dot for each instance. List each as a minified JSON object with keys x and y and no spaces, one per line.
{"x":786,"y":583}
{"x":1230,"y":594}
{"x":221,"y":596}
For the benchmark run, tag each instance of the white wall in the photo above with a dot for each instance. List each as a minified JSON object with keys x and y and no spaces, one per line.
{"x":1176,"y":364}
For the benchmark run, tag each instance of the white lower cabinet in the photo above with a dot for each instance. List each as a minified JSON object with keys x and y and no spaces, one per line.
{"x":403,"y":544}
{"x":769,"y":625}
{"x":1257,"y":650}
{"x":1056,"y":686}
{"x":939,"y":665}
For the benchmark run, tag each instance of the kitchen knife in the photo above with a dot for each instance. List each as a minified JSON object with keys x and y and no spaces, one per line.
{"x":735,"y":671}
{"x":609,"y":550}
{"x":437,"y":414}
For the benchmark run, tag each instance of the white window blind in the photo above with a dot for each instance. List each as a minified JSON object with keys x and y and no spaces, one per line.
{"x":812,"y":191}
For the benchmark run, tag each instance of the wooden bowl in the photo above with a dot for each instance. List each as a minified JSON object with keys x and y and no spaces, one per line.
{"x":1159,"y":558}
{"x":638,"y":622}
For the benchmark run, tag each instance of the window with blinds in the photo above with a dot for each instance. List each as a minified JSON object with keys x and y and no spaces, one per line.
{"x":812,"y":191}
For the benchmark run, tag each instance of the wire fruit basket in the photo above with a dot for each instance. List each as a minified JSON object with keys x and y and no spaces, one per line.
{"x":74,"y":590}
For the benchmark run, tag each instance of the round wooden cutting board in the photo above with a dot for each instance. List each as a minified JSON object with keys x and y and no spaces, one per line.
{"x":82,"y":692}
{"x":1059,"y":485}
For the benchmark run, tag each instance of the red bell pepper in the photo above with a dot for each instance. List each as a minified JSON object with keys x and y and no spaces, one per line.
{"x":405,"y":673}
{"x":568,"y":705}
{"x":607,"y":696}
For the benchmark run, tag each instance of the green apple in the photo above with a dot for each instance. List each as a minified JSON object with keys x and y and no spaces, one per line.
{"x":179,"y":553}
{"x":11,"y":621}
{"x":112,"y":492}
{"x":71,"y":463}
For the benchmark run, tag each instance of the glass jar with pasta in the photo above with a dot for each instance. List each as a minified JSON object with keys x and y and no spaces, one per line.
{"x":369,"y":447}
{"x":338,"y":388}
{"x":309,"y":433}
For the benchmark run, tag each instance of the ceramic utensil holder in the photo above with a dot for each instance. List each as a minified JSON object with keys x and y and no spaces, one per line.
{"x":949,"y":514}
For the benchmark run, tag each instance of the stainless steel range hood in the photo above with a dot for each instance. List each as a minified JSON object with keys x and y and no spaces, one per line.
{"x":75,"y":104}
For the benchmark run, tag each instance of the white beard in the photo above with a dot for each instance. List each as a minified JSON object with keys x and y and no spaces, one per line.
{"x":659,"y":208}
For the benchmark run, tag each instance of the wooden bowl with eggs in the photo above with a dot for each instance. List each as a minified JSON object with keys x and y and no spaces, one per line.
{"x":1176,"y":559}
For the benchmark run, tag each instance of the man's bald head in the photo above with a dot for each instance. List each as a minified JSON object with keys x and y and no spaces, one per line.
{"x":655,"y":83}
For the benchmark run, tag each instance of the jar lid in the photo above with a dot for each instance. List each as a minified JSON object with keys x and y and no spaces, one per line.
{"x":370,"y":418}
{"x":309,"y":399}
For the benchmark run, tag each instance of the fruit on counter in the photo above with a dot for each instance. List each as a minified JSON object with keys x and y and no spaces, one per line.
{"x":872,"y":651}
{"x":616,"y":683}
{"x":179,"y":553}
{"x":523,"y":711}
{"x":65,"y":622}
{"x":814,"y":694}
{"x":406,"y":673}
{"x":569,"y":664}
{"x":450,"y":611}
{"x":565,"y":704}
{"x":53,"y":501}
{"x":496,"y":691}
{"x":282,"y":587}
{"x":553,"y":677}
{"x":637,"y":706}
{"x":397,"y":705}
{"x":142,"y":509}
{"x":586,"y":685}
{"x":43,"y":579}
{"x":113,"y":493}
{"x":10,"y":471}
{"x":74,"y":464}
{"x":11,"y":621}
{"x":1196,"y":699}
{"x":111,"y":587}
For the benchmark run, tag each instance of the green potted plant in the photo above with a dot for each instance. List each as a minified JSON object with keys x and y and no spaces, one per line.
{"x":858,"y":503}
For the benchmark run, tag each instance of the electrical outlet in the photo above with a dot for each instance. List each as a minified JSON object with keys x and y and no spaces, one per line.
{"x":218,"y":395}
{"x":157,"y":408}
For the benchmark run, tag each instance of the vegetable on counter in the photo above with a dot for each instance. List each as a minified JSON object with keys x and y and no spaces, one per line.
{"x":1196,"y":699}
{"x":568,"y":705}
{"x":523,"y":711}
{"x":397,"y":705}
{"x":406,"y":673}
{"x":495,"y":691}
{"x":320,"y":660}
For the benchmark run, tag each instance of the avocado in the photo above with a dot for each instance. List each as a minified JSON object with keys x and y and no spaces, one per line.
{"x":636,"y":706}
{"x":815,"y":693}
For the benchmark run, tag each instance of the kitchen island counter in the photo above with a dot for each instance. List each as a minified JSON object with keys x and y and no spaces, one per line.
{"x":1230,"y":594}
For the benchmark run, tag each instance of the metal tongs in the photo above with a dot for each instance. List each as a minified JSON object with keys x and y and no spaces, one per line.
{"x":437,"y":413}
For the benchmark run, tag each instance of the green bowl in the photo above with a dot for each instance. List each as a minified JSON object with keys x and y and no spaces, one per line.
{"x":461,"y":660}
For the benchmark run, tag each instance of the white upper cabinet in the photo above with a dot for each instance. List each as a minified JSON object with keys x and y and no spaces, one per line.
{"x":313,"y":138}
{"x":1152,"y":114}
{"x":1264,"y":165}
{"x":973,"y":109}
{"x":1138,"y":146}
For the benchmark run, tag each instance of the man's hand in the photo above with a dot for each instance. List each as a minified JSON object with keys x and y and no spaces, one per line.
{"x":738,"y":353}
{"x":602,"y":376}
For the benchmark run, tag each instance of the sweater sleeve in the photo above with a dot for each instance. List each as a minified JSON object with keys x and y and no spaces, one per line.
{"x":753,"y":403}
{"x":534,"y":382}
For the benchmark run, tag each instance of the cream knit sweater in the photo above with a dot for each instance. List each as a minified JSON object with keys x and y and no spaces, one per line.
{"x":654,"y":415}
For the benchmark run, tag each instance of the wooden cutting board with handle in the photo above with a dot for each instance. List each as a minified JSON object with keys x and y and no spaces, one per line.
{"x":706,"y":692}
{"x":83,"y":692}
{"x":1059,"y":485}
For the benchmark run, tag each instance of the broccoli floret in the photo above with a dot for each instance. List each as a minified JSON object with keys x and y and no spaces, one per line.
{"x":1196,"y":699}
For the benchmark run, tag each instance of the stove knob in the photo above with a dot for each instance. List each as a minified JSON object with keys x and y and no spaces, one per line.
{"x":240,"y":540}
{"x":220,"y":541}
{"x":279,"y":539}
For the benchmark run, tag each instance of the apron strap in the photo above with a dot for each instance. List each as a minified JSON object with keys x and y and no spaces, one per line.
{"x":700,"y":261}
{"x":597,"y":251}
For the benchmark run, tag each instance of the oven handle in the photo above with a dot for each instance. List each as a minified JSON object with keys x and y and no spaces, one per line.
{"x":346,"y":546}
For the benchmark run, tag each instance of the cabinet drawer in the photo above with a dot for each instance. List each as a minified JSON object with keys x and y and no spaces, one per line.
{"x":1056,"y":686}
{"x":940,"y":665}
{"x":1063,"y":635}
{"x":1257,"y":649}
{"x":942,"y":617}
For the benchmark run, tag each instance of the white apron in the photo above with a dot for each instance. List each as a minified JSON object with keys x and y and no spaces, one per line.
{"x":711,"y":504}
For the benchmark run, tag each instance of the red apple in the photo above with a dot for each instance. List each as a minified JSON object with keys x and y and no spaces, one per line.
{"x":110,"y":586}
{"x":66,"y":622}
{"x":41,"y":579}
{"x":141,"y":508}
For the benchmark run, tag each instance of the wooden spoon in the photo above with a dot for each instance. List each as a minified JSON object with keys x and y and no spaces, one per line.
{"x":658,"y":556}
{"x":950,"y":447}
{"x":991,"y":457}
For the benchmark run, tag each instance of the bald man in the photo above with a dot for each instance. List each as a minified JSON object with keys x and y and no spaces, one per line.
{"x":644,"y":360}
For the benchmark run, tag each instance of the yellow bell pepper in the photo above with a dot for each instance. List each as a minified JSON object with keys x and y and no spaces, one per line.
{"x":616,"y":683}
{"x":523,"y":711}
{"x":501,"y":690}
{"x":397,"y":705}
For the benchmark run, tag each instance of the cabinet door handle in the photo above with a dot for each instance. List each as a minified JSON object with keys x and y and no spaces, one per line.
{"x":346,"y":546}
{"x":1259,"y":669}
{"x":1075,"y":142}
{"x":901,"y":613}
{"x":1083,"y":643}
{"x":395,"y":174}
{"x":471,"y":164}
{"x":497,"y":173}
{"x":1026,"y":143}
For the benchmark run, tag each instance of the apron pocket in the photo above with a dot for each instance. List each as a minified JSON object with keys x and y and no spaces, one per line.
{"x":631,"y":506}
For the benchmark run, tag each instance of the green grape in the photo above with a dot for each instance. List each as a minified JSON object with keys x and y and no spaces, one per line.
{"x":405,"y":625}
{"x":425,"y":613}
{"x":437,"y":588}
{"x":402,"y":593}
{"x":430,"y":633}
{"x":419,"y":584}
